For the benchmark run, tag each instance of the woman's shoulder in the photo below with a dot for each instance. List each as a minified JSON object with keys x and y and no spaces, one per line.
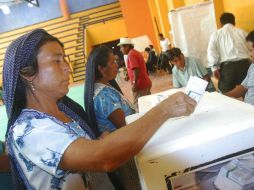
{"x":105,"y":91}
{"x":28,"y":115}
{"x":30,"y":119}
{"x":33,"y":122}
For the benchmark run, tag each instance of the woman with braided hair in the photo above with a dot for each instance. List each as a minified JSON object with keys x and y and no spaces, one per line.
{"x":49,"y":144}
{"x":107,"y":108}
{"x":105,"y":105}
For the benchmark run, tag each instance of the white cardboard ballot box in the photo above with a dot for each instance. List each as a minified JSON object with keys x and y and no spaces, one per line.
{"x":220,"y":129}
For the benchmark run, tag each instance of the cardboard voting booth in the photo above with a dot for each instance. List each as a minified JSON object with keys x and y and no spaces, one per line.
{"x":192,"y":27}
{"x":185,"y":149}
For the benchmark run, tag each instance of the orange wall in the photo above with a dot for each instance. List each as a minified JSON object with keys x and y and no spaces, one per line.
{"x":104,"y":32}
{"x":138,"y":19}
{"x":243,"y":11}
{"x":163,"y":15}
{"x":193,"y":2}
{"x":219,"y":9}
{"x":178,"y":3}
{"x":155,"y":15}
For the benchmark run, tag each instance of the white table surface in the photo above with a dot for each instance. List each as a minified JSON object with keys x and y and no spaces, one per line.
{"x":219,"y":126}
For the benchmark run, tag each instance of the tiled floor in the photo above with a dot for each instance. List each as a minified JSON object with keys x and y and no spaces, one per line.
{"x":161,"y":81}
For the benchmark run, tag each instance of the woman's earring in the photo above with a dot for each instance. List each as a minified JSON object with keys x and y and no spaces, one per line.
{"x":32,"y":85}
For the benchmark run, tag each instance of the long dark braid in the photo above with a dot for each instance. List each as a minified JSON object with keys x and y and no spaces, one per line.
{"x":99,"y":56}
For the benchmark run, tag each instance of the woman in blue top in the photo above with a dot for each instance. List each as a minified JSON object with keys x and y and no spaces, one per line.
{"x":106,"y":106}
{"x":49,"y":144}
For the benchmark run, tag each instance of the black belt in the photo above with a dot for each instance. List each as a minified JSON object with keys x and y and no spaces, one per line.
{"x":232,"y":62}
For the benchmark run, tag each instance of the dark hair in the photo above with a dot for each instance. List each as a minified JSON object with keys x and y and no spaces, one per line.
{"x":160,"y":35}
{"x":98,"y":56}
{"x":147,"y":49}
{"x":130,"y":45}
{"x":151,"y":46}
{"x":173,"y":52}
{"x":250,"y":37}
{"x":227,"y":18}
{"x":31,"y":70}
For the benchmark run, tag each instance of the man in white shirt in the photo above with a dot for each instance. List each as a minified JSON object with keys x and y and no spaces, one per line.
{"x":163,"y":60}
{"x":164,"y":42}
{"x":228,"y":54}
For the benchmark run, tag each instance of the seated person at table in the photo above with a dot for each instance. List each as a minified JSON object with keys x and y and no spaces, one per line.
{"x":106,"y":106}
{"x":49,"y":145}
{"x":185,"y":67}
{"x":246,"y":88}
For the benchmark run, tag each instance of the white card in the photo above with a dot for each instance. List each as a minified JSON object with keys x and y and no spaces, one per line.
{"x":196,"y":88}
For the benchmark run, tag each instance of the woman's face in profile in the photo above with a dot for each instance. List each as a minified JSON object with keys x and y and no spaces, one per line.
{"x":110,"y":71}
{"x":53,"y":71}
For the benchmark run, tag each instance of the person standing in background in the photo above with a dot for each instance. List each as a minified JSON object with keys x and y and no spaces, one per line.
{"x":152,"y":49}
{"x":165,"y":43}
{"x":137,"y":72}
{"x":228,"y":54}
{"x":163,"y":62}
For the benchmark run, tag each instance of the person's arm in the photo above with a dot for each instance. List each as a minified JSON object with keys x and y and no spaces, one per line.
{"x":213,"y":56}
{"x":134,"y":59}
{"x":207,"y":78}
{"x":118,"y":147}
{"x":134,"y":82}
{"x":4,"y":163}
{"x":108,"y":104}
{"x":117,"y":117}
{"x":4,"y":159}
{"x":199,"y":69}
{"x":237,"y":92}
{"x":176,"y":83}
{"x":216,"y":73}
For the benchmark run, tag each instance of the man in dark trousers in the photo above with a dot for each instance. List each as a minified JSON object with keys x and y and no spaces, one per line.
{"x":228,"y":54}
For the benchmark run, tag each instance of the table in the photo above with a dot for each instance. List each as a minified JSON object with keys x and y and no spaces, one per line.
{"x":221,"y":128}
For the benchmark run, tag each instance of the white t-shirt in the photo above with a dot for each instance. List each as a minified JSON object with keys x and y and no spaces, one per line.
{"x":164,"y":44}
{"x":227,"y":44}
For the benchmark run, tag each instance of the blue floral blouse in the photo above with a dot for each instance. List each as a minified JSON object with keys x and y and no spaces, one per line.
{"x":38,"y":142}
{"x":107,"y":100}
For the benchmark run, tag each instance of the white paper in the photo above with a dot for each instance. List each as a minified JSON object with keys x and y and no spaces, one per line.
{"x":196,"y":88}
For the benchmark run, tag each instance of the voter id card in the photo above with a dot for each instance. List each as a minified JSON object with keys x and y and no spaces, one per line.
{"x":195,"y":88}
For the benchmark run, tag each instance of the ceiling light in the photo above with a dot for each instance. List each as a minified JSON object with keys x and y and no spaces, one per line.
{"x":30,"y":5}
{"x":6,"y":10}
